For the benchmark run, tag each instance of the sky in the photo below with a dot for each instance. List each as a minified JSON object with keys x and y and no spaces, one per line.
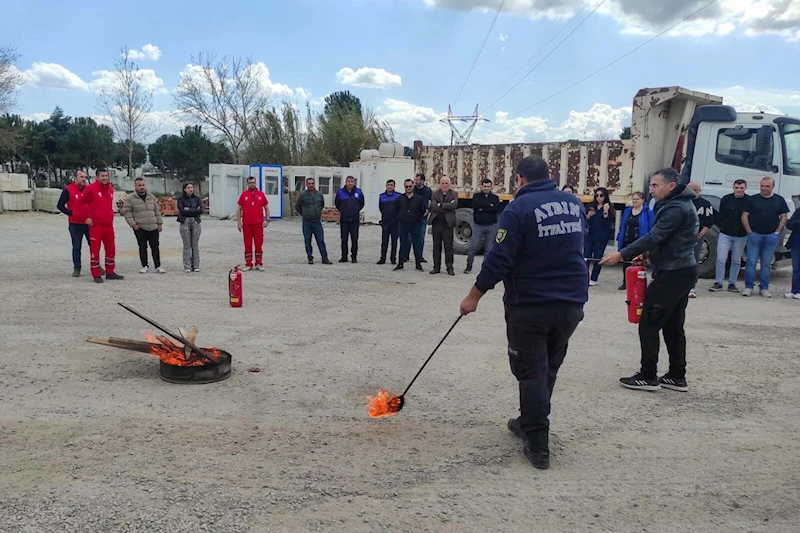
{"x":408,"y":59}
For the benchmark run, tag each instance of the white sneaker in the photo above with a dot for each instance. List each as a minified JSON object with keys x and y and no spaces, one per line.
{"x":766,"y":293}
{"x":693,"y":293}
{"x":161,"y":270}
{"x":747,"y":292}
{"x":797,"y":296}
{"x":789,"y":295}
{"x":196,"y":269}
{"x":592,"y":283}
{"x":144,"y":270}
{"x":260,"y":268}
{"x":187,"y":270}
{"x":247,"y":269}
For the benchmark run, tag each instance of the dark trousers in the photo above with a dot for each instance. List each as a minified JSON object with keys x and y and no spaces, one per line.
{"x":422,"y":227}
{"x":409,"y":235}
{"x":144,"y":238}
{"x":78,"y":232}
{"x":349,"y":229}
{"x":442,"y":236}
{"x":595,"y":250}
{"x":315,"y":229}
{"x":665,"y":309}
{"x":537,"y":345}
{"x":389,"y":231}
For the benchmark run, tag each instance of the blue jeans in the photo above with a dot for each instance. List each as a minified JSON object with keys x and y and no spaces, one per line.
{"x":734,"y":245}
{"x":77,"y":232}
{"x":480,"y":232}
{"x":410,"y":235}
{"x":759,"y":247}
{"x":595,"y":250}
{"x":315,"y":229}
{"x":796,"y":266}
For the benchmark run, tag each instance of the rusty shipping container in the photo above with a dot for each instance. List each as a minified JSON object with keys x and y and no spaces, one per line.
{"x":584,"y":165}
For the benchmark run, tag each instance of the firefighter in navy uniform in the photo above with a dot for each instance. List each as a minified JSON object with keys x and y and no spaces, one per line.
{"x":538,"y":255}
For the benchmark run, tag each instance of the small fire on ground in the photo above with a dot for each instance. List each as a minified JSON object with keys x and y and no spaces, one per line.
{"x":385,"y":404}
{"x":173,"y":354}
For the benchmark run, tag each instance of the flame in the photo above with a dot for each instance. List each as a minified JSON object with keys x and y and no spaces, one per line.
{"x":385,"y":404}
{"x":172,"y":354}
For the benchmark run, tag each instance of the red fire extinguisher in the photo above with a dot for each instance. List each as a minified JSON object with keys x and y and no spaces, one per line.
{"x":636,"y":283}
{"x":235,"y":286}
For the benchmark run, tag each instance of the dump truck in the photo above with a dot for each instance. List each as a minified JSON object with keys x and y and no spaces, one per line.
{"x":671,"y":127}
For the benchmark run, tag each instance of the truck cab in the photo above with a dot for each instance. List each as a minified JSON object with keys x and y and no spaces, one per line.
{"x":725,"y":146}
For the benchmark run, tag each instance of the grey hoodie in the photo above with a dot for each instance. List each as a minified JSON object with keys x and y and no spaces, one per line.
{"x":672,"y":240}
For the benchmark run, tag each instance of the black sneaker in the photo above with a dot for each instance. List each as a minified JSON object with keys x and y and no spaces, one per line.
{"x":716,"y":287}
{"x":467,"y":271}
{"x":422,"y":260}
{"x":678,"y":384}
{"x":114,"y":276}
{"x":513,"y":427}
{"x":398,"y":267}
{"x":76,"y":273}
{"x":733,"y":288}
{"x":343,"y":260}
{"x":622,"y":287}
{"x":451,"y":272}
{"x":394,"y":262}
{"x":326,"y":261}
{"x":639,"y":382}
{"x":382,"y":262}
{"x":310,"y":261}
{"x":419,"y":266}
{"x":436,"y":271}
{"x":354,"y":261}
{"x":98,"y":279}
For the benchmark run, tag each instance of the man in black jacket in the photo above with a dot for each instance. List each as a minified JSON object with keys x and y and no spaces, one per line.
{"x":732,"y":236}
{"x":410,"y":209}
{"x":485,"y":206}
{"x":349,"y":201}
{"x":705,"y":216}
{"x":390,"y":227}
{"x":671,"y":244}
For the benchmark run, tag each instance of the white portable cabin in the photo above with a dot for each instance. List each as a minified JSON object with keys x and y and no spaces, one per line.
{"x":328,"y":179}
{"x":226,"y":183}
{"x":376,"y":168}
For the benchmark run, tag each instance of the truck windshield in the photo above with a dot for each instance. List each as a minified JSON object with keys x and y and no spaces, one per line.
{"x":790,"y":134}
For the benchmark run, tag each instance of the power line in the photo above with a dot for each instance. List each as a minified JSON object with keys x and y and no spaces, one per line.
{"x":475,"y":61}
{"x":616,"y":60}
{"x":548,"y":55}
{"x":534,"y":56}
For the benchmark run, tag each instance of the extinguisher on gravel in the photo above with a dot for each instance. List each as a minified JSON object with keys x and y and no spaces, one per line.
{"x":235,"y":286}
{"x":636,"y":285}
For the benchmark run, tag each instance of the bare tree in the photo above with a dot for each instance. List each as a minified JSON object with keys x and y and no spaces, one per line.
{"x":128,"y":104}
{"x":223,"y":94}
{"x":10,"y":78}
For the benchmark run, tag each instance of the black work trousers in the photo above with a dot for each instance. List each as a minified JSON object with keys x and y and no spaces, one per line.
{"x":538,"y":337}
{"x":349,"y":229}
{"x":665,"y":309}
{"x":144,"y":238}
{"x":389,"y":231}
{"x":442,"y":236}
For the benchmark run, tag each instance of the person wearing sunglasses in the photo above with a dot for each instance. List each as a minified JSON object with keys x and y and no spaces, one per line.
{"x":600,"y":219}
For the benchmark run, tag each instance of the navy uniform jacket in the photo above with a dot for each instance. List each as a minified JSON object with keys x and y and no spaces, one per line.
{"x":387,"y":208}
{"x":349,"y":204}
{"x":538,"y":251}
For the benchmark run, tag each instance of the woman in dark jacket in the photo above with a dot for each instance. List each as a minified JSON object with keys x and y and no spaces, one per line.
{"x":190,"y":207}
{"x":636,"y":222}
{"x":600,"y":220}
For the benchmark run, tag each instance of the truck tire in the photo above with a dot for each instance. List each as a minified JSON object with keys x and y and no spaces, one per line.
{"x":463,"y":231}
{"x":707,"y":265}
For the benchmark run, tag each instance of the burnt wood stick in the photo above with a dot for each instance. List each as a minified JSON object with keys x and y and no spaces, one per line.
{"x":125,"y":344}
{"x":156,"y":325}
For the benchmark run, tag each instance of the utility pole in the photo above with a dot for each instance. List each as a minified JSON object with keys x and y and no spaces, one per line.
{"x":456,"y":137}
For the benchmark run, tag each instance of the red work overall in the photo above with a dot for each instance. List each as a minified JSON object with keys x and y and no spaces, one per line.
{"x":252,"y":203}
{"x":99,"y":200}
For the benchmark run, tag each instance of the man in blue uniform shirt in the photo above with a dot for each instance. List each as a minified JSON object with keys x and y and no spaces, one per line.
{"x":538,"y":255}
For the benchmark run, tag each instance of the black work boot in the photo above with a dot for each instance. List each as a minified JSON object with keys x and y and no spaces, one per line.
{"x":354,"y":260}
{"x":382,"y":261}
{"x":419,"y":266}
{"x":537,"y":449}
{"x":98,"y":279}
{"x":398,"y":267}
{"x":76,"y":273}
{"x":326,"y":261}
{"x":114,"y":276}
{"x":514,"y":427}
{"x":343,"y":260}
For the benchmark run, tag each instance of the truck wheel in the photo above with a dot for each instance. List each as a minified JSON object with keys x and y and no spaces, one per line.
{"x":463,"y":231}
{"x":707,"y":265}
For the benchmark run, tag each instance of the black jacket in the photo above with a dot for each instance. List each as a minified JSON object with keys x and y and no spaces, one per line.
{"x":485,"y":208}
{"x":410,"y":210}
{"x":729,"y":215}
{"x":195,"y":205}
{"x":672,"y":240}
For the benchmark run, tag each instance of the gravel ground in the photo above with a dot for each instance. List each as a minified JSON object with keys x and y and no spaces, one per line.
{"x":92,"y":440}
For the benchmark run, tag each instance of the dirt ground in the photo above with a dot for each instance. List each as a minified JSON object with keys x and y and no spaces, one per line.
{"x":92,"y":440}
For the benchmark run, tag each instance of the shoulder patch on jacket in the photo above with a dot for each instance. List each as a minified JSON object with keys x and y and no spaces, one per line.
{"x":501,"y":236}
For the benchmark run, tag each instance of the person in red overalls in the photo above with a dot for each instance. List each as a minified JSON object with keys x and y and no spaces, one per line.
{"x":99,"y":200}
{"x":70,"y":204}
{"x":253,"y":216}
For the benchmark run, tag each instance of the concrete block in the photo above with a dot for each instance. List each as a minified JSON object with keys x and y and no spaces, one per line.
{"x":13,"y":182}
{"x":16,"y":200}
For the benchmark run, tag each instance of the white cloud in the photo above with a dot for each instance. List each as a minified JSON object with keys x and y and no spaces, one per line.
{"x":106,"y":80}
{"x":503,"y":37}
{"x":165,"y":122}
{"x":412,"y":122}
{"x":647,"y":17}
{"x":749,"y":99}
{"x":725,"y":28}
{"x":37,"y":117}
{"x":53,"y":76}
{"x":751,"y":108}
{"x":260,"y":71}
{"x":149,"y":52}
{"x":370,"y":78}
